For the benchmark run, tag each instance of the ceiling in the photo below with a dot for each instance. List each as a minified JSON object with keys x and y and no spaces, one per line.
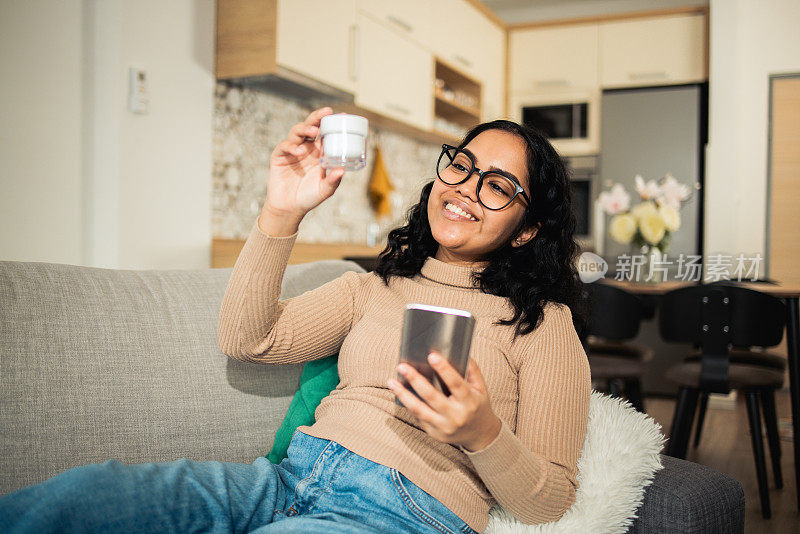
{"x":521,"y":11}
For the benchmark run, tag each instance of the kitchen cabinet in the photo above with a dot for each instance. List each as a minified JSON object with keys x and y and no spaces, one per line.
{"x":456,"y":101}
{"x":315,"y":39}
{"x":490,"y":67}
{"x":467,"y":39}
{"x":379,"y":55}
{"x":653,"y":51}
{"x":309,"y":42}
{"x":553,"y":59}
{"x":394,"y":75}
{"x":410,"y":18}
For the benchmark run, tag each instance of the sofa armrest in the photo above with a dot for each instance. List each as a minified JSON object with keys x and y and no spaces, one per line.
{"x":686,"y":497}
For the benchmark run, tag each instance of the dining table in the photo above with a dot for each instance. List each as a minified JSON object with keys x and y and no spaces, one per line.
{"x":789,"y":293}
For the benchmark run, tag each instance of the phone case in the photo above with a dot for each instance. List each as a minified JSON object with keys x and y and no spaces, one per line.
{"x":426,"y":329}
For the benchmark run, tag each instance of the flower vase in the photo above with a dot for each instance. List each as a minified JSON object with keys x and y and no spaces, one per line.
{"x":652,"y":265}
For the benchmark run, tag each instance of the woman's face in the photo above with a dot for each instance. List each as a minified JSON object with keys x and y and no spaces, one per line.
{"x":463,"y":240}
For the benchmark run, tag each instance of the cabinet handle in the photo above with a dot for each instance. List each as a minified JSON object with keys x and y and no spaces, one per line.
{"x":464,"y":61}
{"x":655,"y":75}
{"x":354,"y":51}
{"x":552,"y":83}
{"x":400,"y":109}
{"x":400,"y":22}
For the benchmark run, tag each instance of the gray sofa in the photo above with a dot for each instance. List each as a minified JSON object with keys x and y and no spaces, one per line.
{"x":99,"y":363}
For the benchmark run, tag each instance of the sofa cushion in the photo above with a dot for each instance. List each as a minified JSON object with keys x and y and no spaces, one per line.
{"x":101,"y":363}
{"x":319,"y":378}
{"x":618,"y":460}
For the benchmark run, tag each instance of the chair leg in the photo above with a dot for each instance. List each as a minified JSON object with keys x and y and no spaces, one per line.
{"x":758,"y":451}
{"x":682,"y":422}
{"x":613,"y":387}
{"x":771,"y":422}
{"x":701,"y":416}
{"x":633,"y":390}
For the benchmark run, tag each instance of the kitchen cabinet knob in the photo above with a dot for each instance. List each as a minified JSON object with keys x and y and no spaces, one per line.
{"x":399,"y":109}
{"x":655,"y":75}
{"x":552,"y":83}
{"x":354,"y":51}
{"x":464,"y":61}
{"x":400,"y":22}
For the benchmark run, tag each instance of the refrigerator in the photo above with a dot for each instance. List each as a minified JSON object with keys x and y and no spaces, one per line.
{"x":651,"y":132}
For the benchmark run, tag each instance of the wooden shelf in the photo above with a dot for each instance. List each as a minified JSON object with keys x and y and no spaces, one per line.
{"x":451,"y":110}
{"x":444,"y":110}
{"x":452,"y":139}
{"x":459,"y":108}
{"x":225,"y":251}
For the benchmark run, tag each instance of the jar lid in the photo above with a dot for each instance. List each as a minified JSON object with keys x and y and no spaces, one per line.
{"x":342,"y":122}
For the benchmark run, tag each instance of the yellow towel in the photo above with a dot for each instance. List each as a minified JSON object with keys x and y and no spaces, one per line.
{"x":379,"y":187}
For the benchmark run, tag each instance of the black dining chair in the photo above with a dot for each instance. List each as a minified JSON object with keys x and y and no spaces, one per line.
{"x":747,"y":355}
{"x":614,"y":319}
{"x":717,"y":317}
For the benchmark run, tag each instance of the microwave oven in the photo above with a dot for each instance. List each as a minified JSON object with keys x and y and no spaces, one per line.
{"x":570,"y":121}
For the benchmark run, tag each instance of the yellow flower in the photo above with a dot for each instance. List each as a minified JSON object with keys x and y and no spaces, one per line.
{"x":672,"y":219}
{"x":642,"y":209}
{"x":652,"y":227}
{"x":622,"y":228}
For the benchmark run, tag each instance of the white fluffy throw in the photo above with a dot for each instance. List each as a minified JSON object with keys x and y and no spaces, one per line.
{"x":619,"y":458}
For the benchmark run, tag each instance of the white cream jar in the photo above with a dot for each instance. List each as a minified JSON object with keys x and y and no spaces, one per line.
{"x":344,"y":141}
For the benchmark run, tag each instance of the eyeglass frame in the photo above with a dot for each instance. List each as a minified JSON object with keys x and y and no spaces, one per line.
{"x":517,"y":187}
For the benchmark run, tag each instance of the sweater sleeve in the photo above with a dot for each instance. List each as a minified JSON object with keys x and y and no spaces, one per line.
{"x":532,"y":473}
{"x":255,"y":326}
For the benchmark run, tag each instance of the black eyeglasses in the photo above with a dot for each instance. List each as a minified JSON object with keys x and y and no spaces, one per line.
{"x":455,"y":166}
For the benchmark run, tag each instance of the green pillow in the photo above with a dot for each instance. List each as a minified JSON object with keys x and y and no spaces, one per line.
{"x":318,"y":379}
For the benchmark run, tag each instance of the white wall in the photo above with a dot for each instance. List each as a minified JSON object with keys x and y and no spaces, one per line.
{"x":40,"y":130}
{"x":165,"y":156}
{"x":84,"y":180}
{"x":749,"y":40}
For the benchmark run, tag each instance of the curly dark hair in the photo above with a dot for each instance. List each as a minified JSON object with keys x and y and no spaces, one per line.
{"x":539,"y":271}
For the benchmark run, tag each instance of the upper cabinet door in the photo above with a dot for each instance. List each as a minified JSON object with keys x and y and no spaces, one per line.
{"x":659,"y":51}
{"x":394,"y":75}
{"x":553,"y":60}
{"x":461,"y":35}
{"x":470,"y":42}
{"x":492,"y":74}
{"x":315,"y":38}
{"x":410,"y":18}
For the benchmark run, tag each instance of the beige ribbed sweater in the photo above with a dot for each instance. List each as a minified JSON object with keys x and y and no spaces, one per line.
{"x":538,"y":385}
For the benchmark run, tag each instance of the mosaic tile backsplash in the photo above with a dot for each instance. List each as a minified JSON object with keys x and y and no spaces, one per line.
{"x":249,"y":123}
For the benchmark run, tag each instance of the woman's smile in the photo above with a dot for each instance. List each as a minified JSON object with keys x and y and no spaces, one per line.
{"x":456,"y":212}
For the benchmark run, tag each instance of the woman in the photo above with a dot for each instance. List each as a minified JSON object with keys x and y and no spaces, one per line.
{"x":492,"y":234}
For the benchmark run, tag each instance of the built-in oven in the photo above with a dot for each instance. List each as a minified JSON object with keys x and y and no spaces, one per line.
{"x":584,"y":187}
{"x":571,"y":121}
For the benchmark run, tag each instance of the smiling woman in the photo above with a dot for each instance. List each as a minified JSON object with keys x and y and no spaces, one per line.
{"x":492,"y":235}
{"x":515,"y":217}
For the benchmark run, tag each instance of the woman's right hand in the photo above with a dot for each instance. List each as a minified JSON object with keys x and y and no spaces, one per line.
{"x":297,"y":183}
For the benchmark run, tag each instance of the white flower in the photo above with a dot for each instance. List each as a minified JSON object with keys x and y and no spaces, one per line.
{"x":671,"y":216}
{"x":673,"y":192}
{"x":622,"y":228}
{"x":652,"y":227}
{"x":647,"y":190}
{"x":615,"y":201}
{"x":644,"y":208}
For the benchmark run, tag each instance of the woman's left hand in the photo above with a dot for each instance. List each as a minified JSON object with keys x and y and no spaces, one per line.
{"x":465,"y":418}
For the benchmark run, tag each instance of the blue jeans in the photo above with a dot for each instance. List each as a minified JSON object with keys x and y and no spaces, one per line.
{"x":321,"y":487}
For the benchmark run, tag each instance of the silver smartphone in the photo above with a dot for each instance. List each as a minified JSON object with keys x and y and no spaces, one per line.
{"x":426,"y":329}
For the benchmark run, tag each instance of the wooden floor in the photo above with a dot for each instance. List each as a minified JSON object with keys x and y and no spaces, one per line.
{"x":725,"y":446}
